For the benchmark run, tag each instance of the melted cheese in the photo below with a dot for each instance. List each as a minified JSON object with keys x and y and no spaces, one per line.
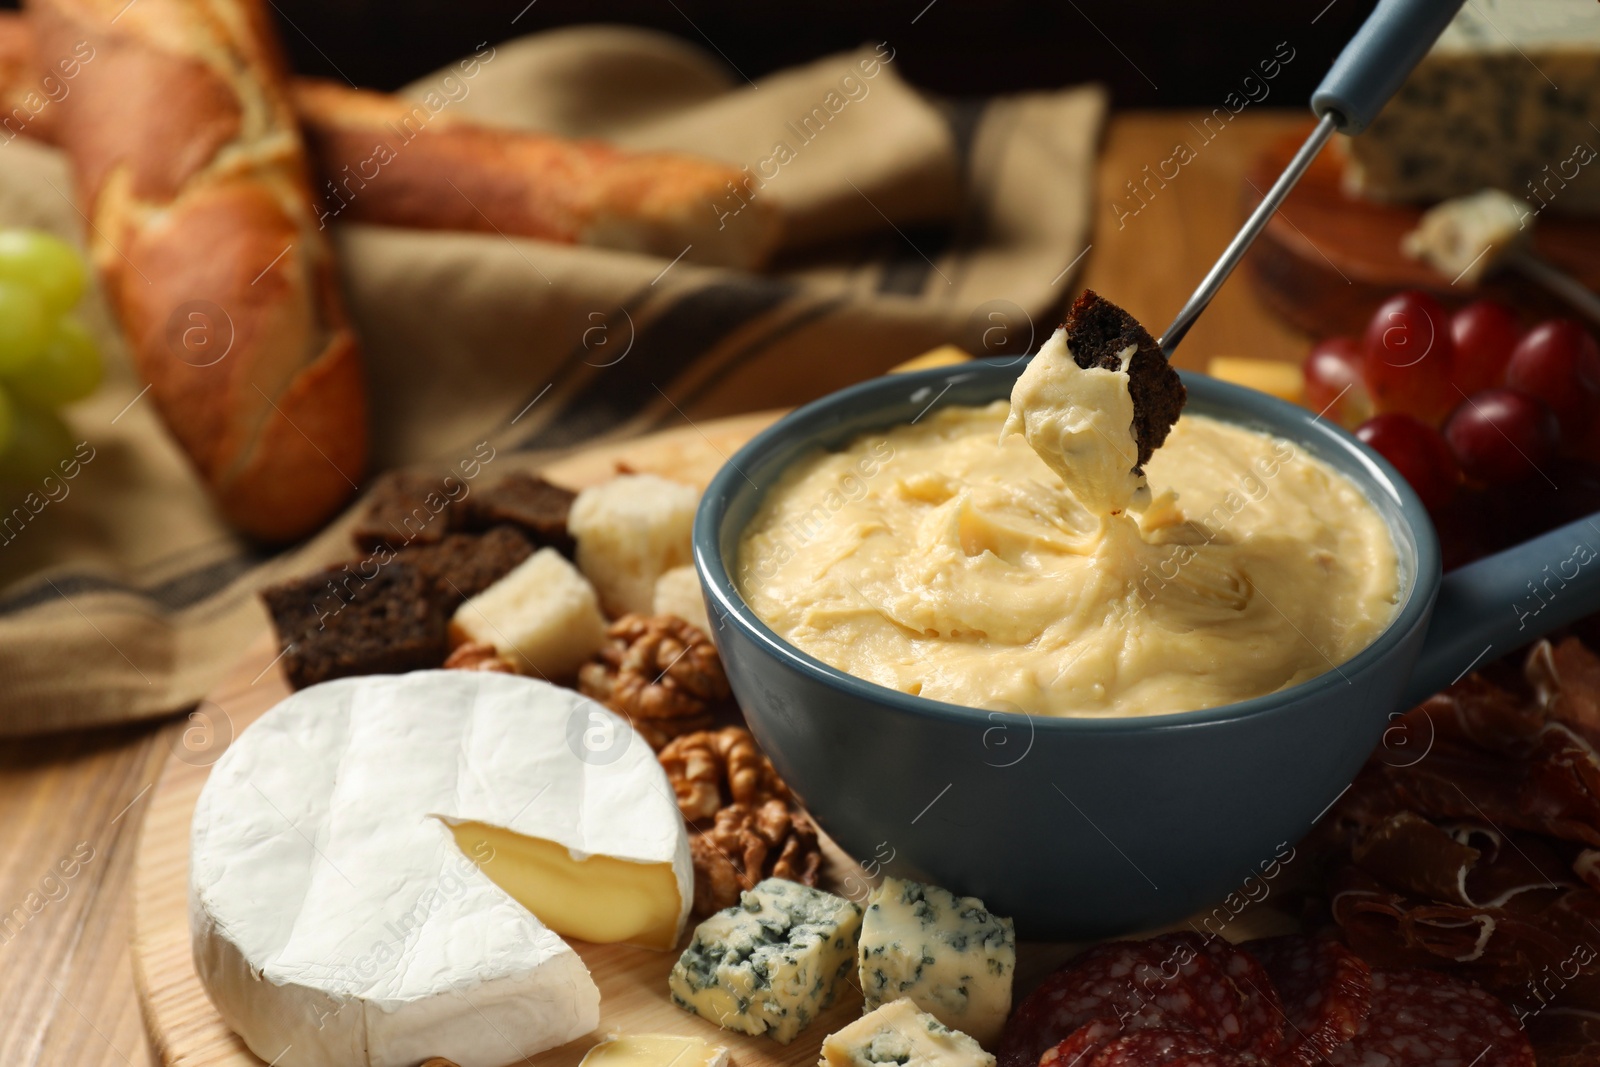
{"x":950,"y":559}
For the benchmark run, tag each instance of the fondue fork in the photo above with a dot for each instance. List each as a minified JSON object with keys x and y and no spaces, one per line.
{"x":1367,"y":73}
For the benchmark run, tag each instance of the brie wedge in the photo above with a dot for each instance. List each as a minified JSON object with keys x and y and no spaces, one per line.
{"x":381,"y":869}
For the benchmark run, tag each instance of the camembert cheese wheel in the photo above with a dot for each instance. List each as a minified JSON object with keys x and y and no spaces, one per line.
{"x":382,"y":869}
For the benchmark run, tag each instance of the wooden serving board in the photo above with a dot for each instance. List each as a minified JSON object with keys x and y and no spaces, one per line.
{"x":186,"y":1031}
{"x":1326,"y":260}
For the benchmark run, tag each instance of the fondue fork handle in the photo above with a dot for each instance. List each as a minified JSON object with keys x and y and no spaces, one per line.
{"x":1501,"y":603}
{"x":1372,"y":66}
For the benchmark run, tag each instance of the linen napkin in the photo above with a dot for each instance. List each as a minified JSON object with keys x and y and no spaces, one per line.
{"x":909,"y":223}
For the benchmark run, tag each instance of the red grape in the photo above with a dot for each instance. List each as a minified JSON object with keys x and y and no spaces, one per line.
{"x":1559,"y":363}
{"x":1501,"y":436}
{"x":1334,"y":385}
{"x":1417,"y":452}
{"x":1483,"y":333}
{"x":1409,"y":352}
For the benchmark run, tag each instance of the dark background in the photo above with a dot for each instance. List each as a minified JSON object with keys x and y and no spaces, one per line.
{"x":1172,"y":54}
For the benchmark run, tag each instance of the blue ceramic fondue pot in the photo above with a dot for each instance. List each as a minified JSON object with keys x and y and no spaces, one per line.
{"x":1083,"y":828}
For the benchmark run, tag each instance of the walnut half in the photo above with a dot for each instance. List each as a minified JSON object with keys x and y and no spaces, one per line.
{"x":744,"y":824}
{"x":745,"y":845}
{"x":659,"y":671}
{"x":711,"y":769}
{"x":477,"y":656}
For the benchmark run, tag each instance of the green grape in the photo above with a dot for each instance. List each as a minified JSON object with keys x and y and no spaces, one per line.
{"x":44,"y":263}
{"x":68,"y":370}
{"x":39,"y":442}
{"x":25,"y":327}
{"x":7,"y":422}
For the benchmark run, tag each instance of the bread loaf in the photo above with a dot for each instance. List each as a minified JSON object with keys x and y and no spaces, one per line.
{"x":25,"y":95}
{"x":192,"y":178}
{"x":387,"y":160}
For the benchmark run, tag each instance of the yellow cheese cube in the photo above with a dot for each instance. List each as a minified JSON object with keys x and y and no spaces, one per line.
{"x":1275,"y":377}
{"x":943,"y":356}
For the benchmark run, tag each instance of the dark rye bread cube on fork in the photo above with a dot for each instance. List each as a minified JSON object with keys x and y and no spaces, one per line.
{"x":1098,"y":332}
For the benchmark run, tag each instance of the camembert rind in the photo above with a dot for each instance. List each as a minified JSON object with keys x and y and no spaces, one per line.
{"x":771,"y":963}
{"x":899,"y":1034}
{"x":946,"y":954}
{"x":334,"y":919}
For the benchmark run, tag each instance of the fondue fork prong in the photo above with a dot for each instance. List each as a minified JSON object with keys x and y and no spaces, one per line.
{"x":1372,"y":66}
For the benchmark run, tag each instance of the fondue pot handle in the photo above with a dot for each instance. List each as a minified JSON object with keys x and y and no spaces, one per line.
{"x":1376,"y":61}
{"x":1501,"y":603}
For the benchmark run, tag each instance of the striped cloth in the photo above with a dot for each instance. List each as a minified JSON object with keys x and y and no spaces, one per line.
{"x":910,"y":223}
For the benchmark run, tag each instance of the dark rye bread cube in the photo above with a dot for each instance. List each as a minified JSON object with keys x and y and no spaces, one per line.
{"x":527,"y":502}
{"x":407,"y":508}
{"x":358,"y":618}
{"x":464,"y":565}
{"x":1098,"y":332}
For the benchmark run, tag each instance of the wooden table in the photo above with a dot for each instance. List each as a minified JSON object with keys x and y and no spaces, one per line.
{"x":66,"y":993}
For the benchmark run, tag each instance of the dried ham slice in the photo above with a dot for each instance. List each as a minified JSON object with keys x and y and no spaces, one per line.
{"x":1474,"y":847}
{"x":1566,"y":679}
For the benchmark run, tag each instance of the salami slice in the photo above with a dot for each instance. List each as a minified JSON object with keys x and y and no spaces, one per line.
{"x":1427,"y":1019}
{"x":1102,"y":1044}
{"x":1167,"y":982}
{"x":1259,"y":1020}
{"x":1163,"y":1048}
{"x":1081,"y":1045}
{"x":1325,"y":990}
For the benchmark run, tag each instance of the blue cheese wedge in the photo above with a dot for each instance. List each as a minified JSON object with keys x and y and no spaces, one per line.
{"x":771,"y":963}
{"x":897,"y":1033}
{"x":1482,"y":111}
{"x":947,"y":954}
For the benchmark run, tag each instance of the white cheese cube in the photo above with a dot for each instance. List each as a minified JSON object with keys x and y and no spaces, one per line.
{"x":771,"y":963}
{"x":947,"y":954}
{"x":630,"y":531}
{"x":543,"y":617}
{"x":897,"y":1033}
{"x":678,"y":593}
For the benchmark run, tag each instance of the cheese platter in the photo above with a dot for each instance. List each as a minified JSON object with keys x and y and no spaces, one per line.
{"x":298,"y":884}
{"x":185,"y":1027}
{"x":625,"y":766}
